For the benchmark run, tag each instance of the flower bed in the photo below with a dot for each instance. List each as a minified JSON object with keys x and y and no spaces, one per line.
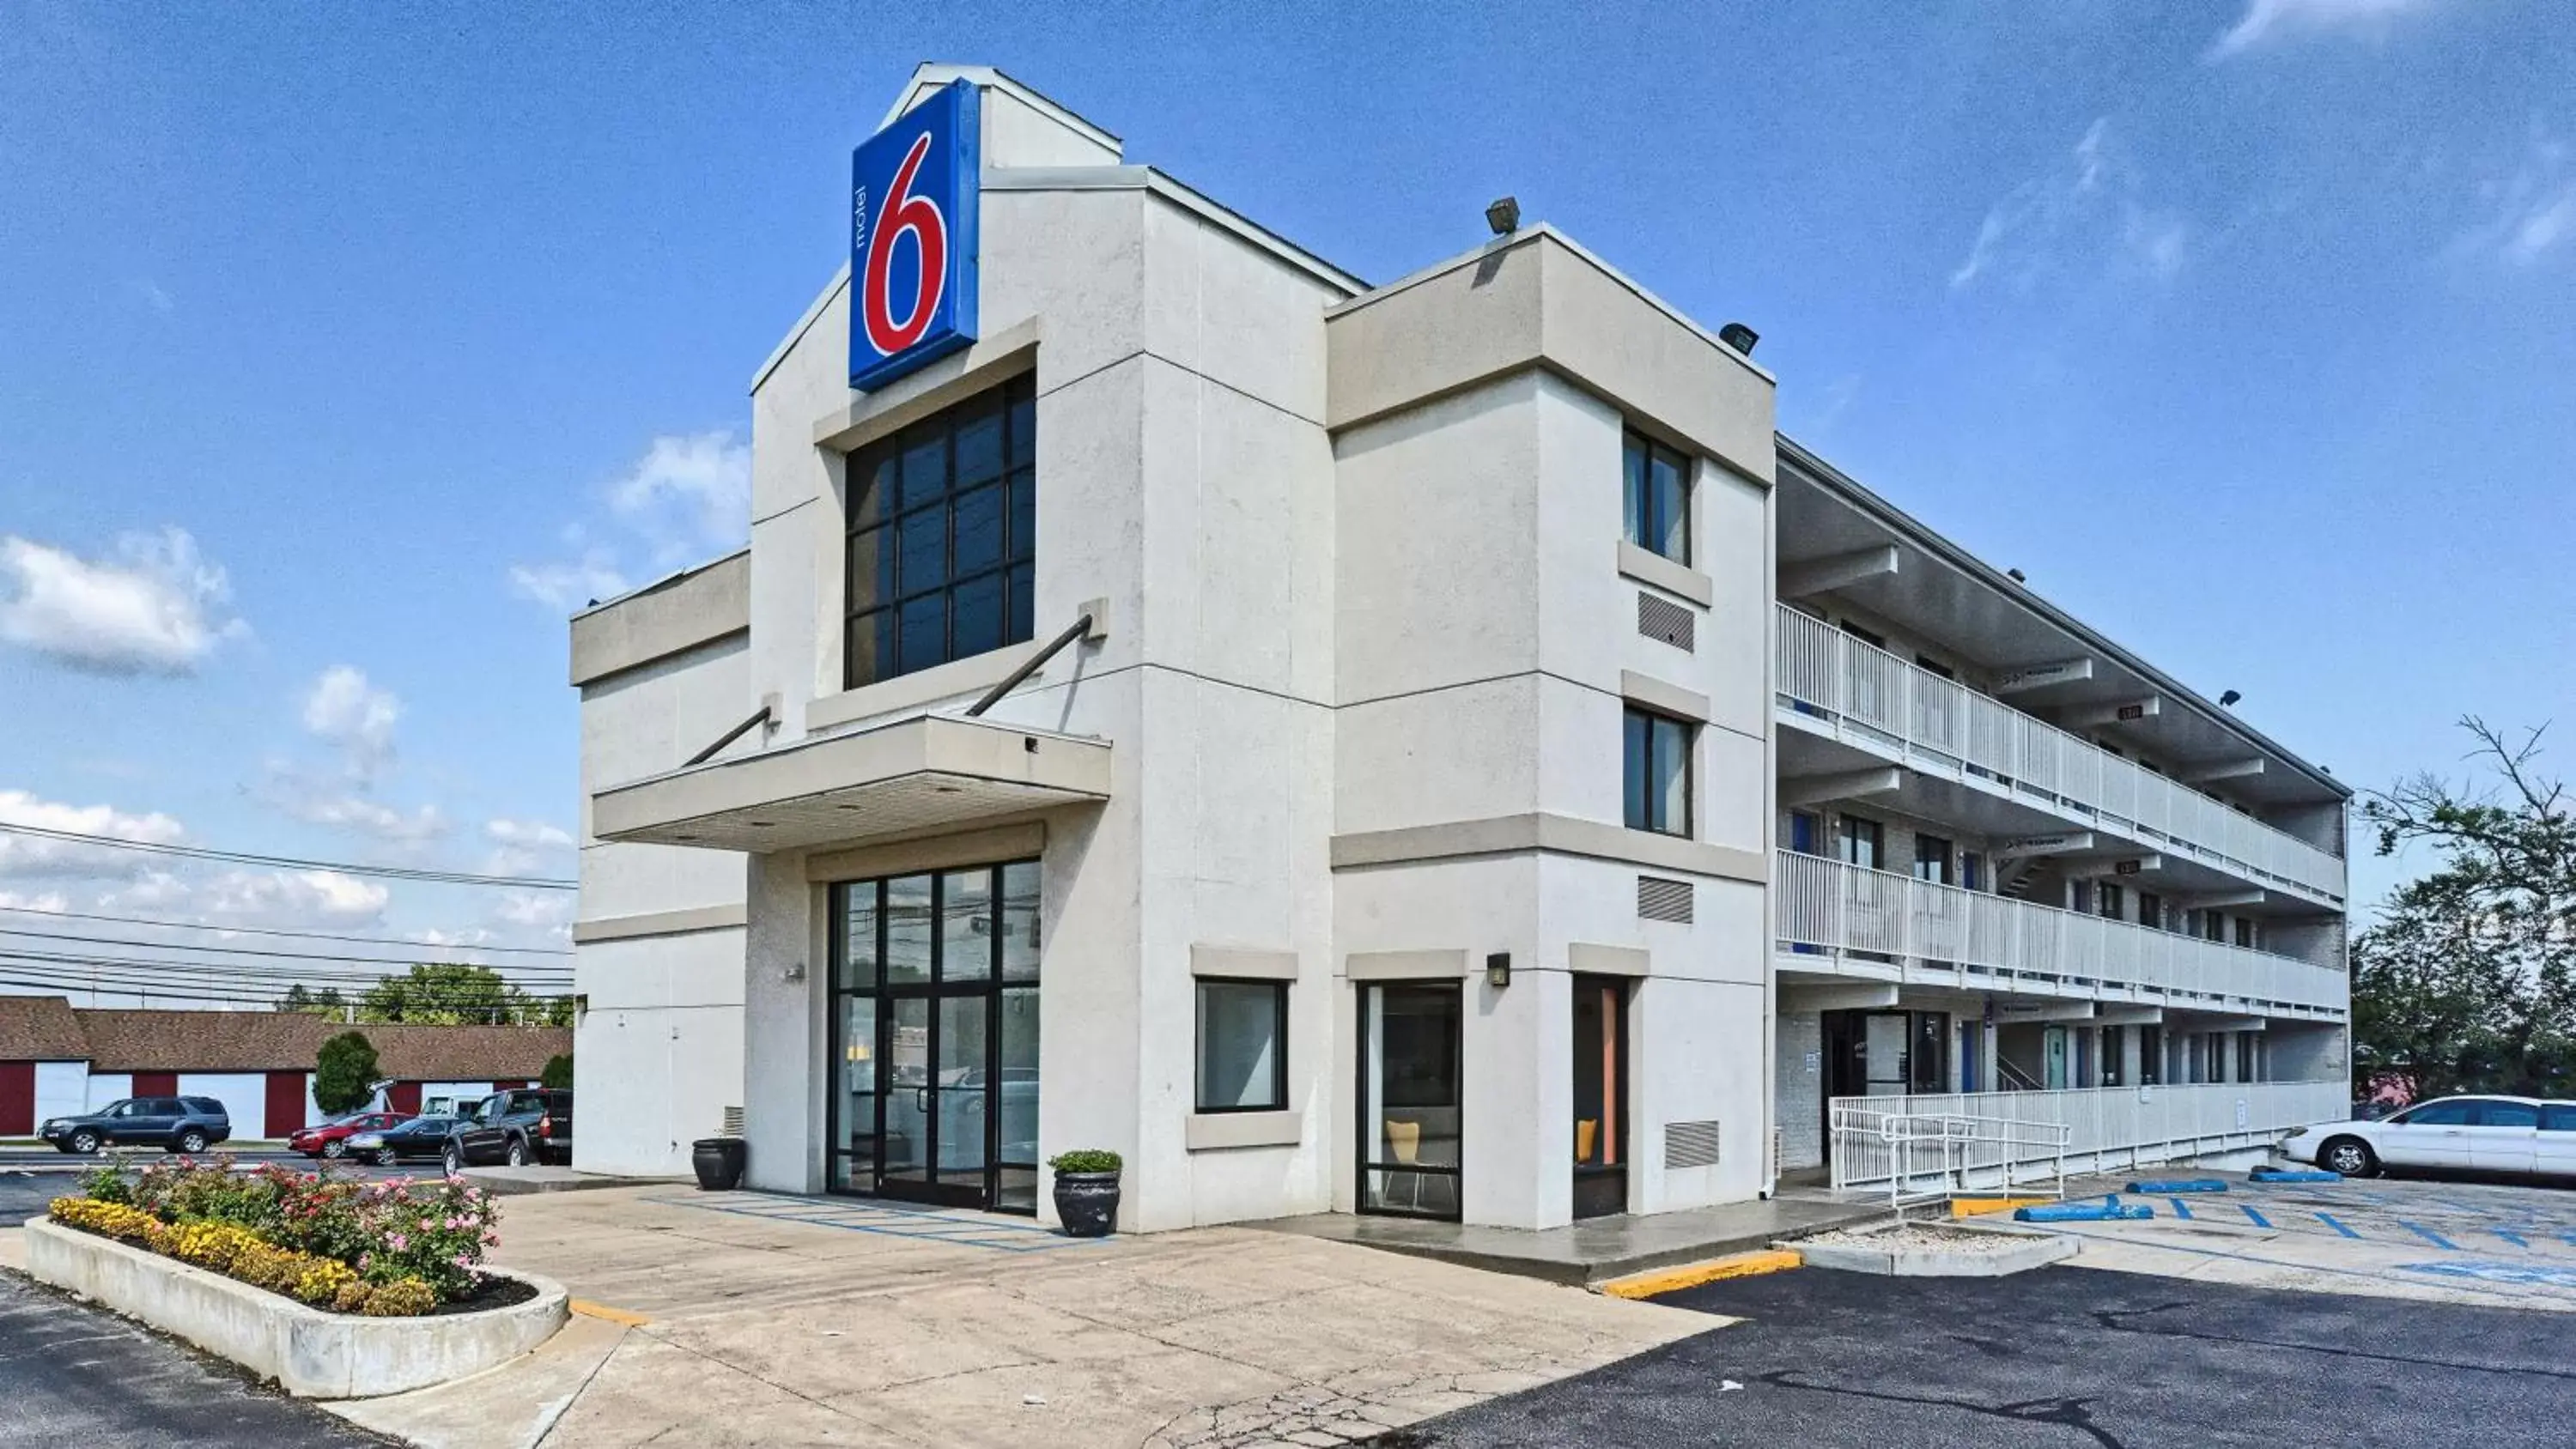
{"x":381,"y":1249}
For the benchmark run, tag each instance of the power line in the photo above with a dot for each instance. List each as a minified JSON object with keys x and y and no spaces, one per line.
{"x":272,"y":931}
{"x":225,"y":986}
{"x":199,"y":852}
{"x":70,"y":989}
{"x":398,"y":962}
{"x":136,"y":966}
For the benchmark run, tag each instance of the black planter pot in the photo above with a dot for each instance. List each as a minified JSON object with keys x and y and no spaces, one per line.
{"x":1087,"y":1202}
{"x":718,"y":1161}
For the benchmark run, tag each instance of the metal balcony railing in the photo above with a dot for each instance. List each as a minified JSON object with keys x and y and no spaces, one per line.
{"x":1838,"y":680}
{"x":1895,"y":926}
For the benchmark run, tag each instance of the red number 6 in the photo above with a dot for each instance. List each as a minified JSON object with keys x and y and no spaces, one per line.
{"x":920,"y":216}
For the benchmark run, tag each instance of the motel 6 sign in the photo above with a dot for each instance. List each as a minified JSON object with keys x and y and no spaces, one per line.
{"x":913,"y":203}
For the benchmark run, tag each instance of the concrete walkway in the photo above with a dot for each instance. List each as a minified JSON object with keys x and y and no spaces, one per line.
{"x":1597,"y":1249}
{"x":739,"y":1319}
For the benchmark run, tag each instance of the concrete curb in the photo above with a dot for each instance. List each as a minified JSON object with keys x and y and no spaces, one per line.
{"x":310,"y":1353}
{"x":2032,"y":1250}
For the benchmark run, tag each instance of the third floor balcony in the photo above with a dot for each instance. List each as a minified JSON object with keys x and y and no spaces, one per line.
{"x":1844,"y":689}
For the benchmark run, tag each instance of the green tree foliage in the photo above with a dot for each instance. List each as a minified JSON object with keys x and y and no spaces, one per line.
{"x":558,"y":1072}
{"x":454,"y":994}
{"x":2468,"y":979}
{"x":327,"y":1002}
{"x":344,"y":1073}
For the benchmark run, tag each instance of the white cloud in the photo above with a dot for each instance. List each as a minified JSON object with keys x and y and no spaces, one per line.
{"x":344,"y":709}
{"x":38,"y":901}
{"x":2529,"y":205}
{"x":687,"y":499}
{"x":27,"y":855}
{"x":157,"y":607}
{"x":521,"y":846}
{"x":325,"y":802}
{"x":2087,"y":212}
{"x":291,"y":898}
{"x":2269,"y":21}
{"x":570,"y":584}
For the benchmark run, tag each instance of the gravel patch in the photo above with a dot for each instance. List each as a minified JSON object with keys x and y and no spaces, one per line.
{"x":1914,"y":1237}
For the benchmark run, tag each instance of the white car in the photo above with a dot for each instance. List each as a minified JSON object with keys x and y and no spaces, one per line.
{"x":2526,"y":1136}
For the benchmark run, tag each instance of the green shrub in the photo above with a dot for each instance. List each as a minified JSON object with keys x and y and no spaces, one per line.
{"x":344,"y":1073}
{"x":1086,"y":1159}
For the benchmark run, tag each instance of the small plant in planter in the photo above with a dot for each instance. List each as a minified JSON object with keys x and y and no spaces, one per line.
{"x":1086,"y":1191}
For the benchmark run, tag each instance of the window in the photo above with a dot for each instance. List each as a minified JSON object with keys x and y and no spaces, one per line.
{"x":1934,"y":667}
{"x":2213,"y":925}
{"x":2508,"y":1114}
{"x":1657,"y":773}
{"x":1932,"y":859}
{"x":1972,"y":870}
{"x":2245,"y":933}
{"x":943,"y":531}
{"x":1870,"y":637}
{"x":1806,"y":833}
{"x":2440,"y":1114}
{"x":2151,"y":910}
{"x":2555,"y":1118}
{"x":1243,"y":1046}
{"x":1862,"y":842}
{"x":2111,"y":900}
{"x":2151,"y":1055}
{"x":1658,"y":499}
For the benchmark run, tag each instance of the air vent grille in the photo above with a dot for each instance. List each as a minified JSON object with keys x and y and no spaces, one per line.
{"x":1663,"y":620}
{"x":1690,"y":1144}
{"x":1659,"y":899}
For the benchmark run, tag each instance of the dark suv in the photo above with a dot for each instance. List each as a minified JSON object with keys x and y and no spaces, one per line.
{"x":517,"y":1127}
{"x":181,"y":1124}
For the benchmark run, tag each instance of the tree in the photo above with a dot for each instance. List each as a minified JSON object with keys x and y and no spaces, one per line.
{"x":2469,"y":979}
{"x":344,"y":1073}
{"x":558,"y":1072}
{"x":327,"y":1002}
{"x":451,"y":994}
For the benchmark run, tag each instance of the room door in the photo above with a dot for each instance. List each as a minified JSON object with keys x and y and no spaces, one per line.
{"x":1600,"y":1065}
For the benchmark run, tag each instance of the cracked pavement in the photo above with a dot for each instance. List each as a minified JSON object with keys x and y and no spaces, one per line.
{"x":2056,"y":1357}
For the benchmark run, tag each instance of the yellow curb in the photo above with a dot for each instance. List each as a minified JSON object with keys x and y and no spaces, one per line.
{"x":1691,"y":1275}
{"x":1969,"y":1207}
{"x":588,"y":1309}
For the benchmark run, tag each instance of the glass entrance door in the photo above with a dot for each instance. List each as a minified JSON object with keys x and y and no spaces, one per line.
{"x":934,"y":980}
{"x":1409,"y":1099}
{"x":1600,"y":1096}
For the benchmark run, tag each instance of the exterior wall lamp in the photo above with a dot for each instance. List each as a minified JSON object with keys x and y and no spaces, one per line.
{"x":1498,"y":970}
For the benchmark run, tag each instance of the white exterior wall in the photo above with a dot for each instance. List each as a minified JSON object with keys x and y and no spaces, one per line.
{"x":244,"y":1095}
{"x":62,"y":1089}
{"x":465,"y":1094}
{"x":106,"y":1088}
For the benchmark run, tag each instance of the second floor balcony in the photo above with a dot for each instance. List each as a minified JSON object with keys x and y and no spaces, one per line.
{"x":1840,"y":919}
{"x":1834,"y":684}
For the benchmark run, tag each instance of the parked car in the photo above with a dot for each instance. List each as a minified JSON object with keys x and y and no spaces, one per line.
{"x":412,"y":1138}
{"x":331,"y":1139}
{"x":2520,"y":1136}
{"x":517,"y":1127}
{"x":181,"y":1124}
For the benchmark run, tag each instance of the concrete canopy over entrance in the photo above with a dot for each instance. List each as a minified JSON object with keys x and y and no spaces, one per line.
{"x":908,"y":776}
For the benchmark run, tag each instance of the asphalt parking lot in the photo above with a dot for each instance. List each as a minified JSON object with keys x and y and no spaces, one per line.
{"x":2056,"y":1357}
{"x":2494,"y":1243}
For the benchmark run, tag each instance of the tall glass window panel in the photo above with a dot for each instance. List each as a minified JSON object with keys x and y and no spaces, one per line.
{"x":857,"y":1067}
{"x":1020,"y":905}
{"x":966,"y":925}
{"x":962,"y":1095}
{"x":907,"y":930}
{"x":942,"y":523}
{"x":1656,"y":773}
{"x":857,"y":967}
{"x":1656,"y":483}
{"x":1016,"y":1143}
{"x":1243,"y":1046}
{"x":906,"y":1154}
{"x":1410,"y":1106}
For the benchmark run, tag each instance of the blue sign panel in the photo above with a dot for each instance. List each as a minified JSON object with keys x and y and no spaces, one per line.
{"x":913,"y":194}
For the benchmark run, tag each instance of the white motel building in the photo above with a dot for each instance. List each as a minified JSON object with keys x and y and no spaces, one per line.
{"x":1473,"y":766}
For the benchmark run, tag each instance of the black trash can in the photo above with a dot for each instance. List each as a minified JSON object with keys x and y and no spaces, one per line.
{"x":719,"y":1161}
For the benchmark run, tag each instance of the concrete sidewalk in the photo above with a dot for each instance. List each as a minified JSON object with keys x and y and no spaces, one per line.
{"x":739,"y":1319}
{"x":1594,"y":1250}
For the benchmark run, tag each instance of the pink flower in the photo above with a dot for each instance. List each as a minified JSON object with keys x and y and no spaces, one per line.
{"x":364,"y":1259}
{"x":464,"y":1260}
{"x":397,"y":1242}
{"x":491,"y":1240}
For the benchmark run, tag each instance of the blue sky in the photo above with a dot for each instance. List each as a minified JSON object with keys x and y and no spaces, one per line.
{"x":343,"y":350}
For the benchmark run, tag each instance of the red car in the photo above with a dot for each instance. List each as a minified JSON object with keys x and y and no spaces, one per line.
{"x":331,"y":1139}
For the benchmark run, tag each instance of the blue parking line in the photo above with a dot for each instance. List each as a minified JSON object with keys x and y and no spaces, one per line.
{"x":2181,"y":1209}
{"x":2330,"y":1220}
{"x":2260,"y":1221}
{"x":2510,"y":1236}
{"x":2428,"y":1235}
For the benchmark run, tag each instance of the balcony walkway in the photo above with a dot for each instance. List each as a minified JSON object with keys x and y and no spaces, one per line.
{"x":1842,"y":920}
{"x":1836,"y":686}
